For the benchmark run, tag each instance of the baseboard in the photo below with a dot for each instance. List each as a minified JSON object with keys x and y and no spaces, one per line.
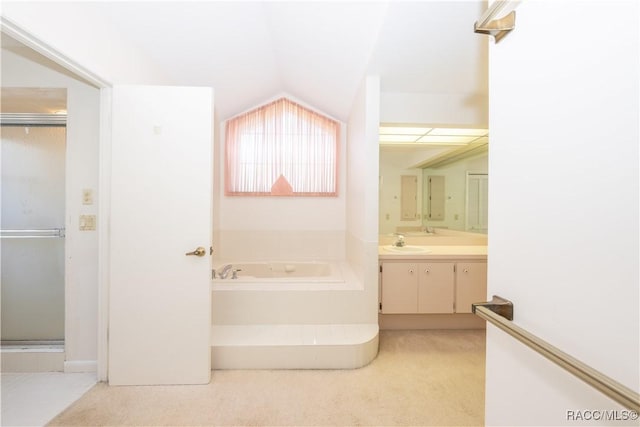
{"x":76,"y":366}
{"x":430,"y":321}
{"x":32,"y":360}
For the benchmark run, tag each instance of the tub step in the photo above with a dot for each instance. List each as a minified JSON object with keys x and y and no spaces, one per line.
{"x":336,"y":346}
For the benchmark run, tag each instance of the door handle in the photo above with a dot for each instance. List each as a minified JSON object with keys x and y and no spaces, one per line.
{"x":200,"y":251}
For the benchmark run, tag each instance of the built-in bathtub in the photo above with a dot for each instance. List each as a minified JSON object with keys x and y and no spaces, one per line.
{"x":290,"y":314}
{"x":286,"y":275}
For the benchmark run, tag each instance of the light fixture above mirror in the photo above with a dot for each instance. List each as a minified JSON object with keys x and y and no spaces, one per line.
{"x":390,"y":134}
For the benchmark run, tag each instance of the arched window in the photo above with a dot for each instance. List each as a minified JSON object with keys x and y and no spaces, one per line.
{"x":281,"y":149}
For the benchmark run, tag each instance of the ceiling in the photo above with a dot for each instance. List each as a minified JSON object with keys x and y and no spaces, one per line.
{"x":315,"y":51}
{"x":34,"y":100}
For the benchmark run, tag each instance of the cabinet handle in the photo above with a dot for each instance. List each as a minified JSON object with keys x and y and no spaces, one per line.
{"x":410,"y":271}
{"x":427,"y":271}
{"x":466,"y":270}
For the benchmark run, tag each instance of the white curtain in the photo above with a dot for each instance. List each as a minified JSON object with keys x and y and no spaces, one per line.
{"x":281,"y":149}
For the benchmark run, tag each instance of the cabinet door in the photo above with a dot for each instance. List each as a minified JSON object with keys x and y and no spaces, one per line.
{"x":471,"y":285}
{"x":399,"y":287}
{"x":435,"y":287}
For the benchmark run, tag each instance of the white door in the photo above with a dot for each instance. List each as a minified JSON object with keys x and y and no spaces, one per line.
{"x":161,"y":178}
{"x":563,"y":242}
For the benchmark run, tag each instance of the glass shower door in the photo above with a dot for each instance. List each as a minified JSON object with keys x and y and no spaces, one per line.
{"x":32,"y":249}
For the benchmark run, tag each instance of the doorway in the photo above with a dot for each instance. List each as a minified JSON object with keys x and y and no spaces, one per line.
{"x":477,"y":204}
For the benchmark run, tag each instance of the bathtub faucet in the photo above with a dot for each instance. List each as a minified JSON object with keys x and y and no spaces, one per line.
{"x":400,"y":241}
{"x":224,"y":271}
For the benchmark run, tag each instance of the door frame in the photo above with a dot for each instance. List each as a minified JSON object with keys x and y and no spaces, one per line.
{"x":104,"y":175}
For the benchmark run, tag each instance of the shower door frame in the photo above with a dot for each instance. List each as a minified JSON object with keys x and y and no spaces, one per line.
{"x":36,"y":317}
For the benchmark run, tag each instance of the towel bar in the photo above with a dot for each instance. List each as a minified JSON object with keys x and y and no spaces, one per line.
{"x":28,"y":234}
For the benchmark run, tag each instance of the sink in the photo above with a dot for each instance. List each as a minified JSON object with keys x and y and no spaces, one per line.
{"x":407,"y":249}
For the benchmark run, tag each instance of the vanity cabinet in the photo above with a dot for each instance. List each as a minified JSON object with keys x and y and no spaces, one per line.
{"x":425,"y":287}
{"x":431,"y":287}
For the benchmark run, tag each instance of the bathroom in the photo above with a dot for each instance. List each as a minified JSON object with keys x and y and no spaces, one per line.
{"x":358,"y":232}
{"x":246,"y":301}
{"x":343,"y":229}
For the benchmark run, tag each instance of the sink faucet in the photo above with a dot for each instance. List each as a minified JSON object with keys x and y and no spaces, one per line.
{"x":224,"y":271}
{"x":399,"y":241}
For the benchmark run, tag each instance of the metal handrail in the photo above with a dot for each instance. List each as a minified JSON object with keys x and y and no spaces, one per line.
{"x":610,"y":387}
{"x":33,"y":233}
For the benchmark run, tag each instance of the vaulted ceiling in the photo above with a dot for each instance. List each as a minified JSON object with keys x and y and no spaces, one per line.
{"x":315,"y":51}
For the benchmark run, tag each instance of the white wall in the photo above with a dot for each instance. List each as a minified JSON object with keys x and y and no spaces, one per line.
{"x":430,"y":108}
{"x":66,"y":26}
{"x":81,"y":289}
{"x":363,"y":162}
{"x":563,"y":221}
{"x":362,"y":192}
{"x":263,"y":228}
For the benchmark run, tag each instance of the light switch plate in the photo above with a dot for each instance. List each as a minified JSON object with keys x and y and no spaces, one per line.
{"x":87,"y":222}
{"x":87,"y":196}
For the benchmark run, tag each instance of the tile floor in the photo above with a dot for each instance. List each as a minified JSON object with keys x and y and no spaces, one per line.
{"x":33,"y":399}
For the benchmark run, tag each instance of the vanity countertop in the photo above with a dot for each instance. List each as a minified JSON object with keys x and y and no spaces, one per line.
{"x":436,"y":252}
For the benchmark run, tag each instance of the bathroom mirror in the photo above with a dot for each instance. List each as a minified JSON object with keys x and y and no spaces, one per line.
{"x":463,"y":193}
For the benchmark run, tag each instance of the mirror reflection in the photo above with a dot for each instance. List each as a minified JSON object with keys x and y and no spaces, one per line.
{"x":449,"y":185}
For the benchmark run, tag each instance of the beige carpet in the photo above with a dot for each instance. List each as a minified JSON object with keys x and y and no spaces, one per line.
{"x":420,"y":378}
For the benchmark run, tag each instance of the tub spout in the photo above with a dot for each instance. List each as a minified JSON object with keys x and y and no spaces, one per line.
{"x":224,"y":271}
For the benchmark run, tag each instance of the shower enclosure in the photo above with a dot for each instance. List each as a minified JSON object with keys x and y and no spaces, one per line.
{"x":32,"y":219}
